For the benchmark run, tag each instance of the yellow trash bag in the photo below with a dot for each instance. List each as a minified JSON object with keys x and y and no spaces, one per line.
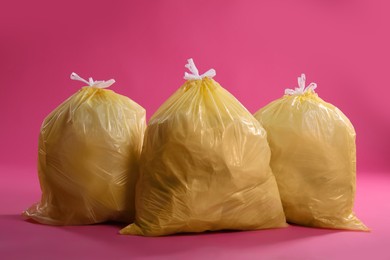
{"x":204,"y":165}
{"x":89,"y":149}
{"x":313,"y":158}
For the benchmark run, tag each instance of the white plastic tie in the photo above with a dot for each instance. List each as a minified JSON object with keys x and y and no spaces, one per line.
{"x":195,"y":73}
{"x":301,"y":89}
{"x":93,"y":83}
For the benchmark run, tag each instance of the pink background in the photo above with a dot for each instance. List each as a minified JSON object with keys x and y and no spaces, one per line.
{"x":258,"y":49}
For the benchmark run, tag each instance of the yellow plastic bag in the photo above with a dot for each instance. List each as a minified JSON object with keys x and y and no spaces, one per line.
{"x":89,"y":150}
{"x":313,"y":158}
{"x":204,"y":166}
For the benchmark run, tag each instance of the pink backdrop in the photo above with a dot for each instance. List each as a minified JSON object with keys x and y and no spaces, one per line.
{"x":258,"y":49}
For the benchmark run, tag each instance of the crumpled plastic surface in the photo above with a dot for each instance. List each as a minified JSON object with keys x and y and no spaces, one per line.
{"x":204,"y":166}
{"x":89,"y":149}
{"x":313,"y":159}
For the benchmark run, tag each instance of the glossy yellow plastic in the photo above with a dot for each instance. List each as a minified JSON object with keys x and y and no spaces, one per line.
{"x":204,"y":166}
{"x":89,"y":150}
{"x":313,"y":159}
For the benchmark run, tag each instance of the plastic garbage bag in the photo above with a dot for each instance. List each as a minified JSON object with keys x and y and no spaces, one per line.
{"x":204,"y":165}
{"x":89,"y":149}
{"x":313,"y":158}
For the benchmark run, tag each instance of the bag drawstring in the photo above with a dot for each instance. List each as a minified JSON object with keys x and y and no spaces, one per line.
{"x":195,"y":73}
{"x":92,"y":83}
{"x":301,"y":89}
